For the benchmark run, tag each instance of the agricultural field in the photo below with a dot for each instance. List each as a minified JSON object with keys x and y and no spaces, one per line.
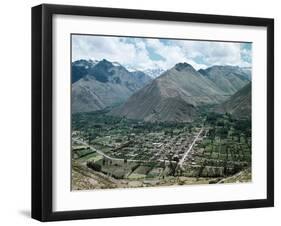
{"x":111,"y":152}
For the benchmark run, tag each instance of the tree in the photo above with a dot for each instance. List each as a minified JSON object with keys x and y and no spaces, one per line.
{"x":223,"y":132}
{"x":212,"y":118}
{"x":94,"y":166}
{"x":201,"y":169}
{"x":220,"y":123}
{"x":190,"y":128}
{"x":211,"y":134}
{"x":89,"y":138}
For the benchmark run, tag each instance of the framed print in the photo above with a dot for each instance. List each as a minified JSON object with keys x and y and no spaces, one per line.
{"x":145,"y":112}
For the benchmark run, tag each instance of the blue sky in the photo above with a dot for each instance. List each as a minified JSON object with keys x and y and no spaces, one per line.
{"x":148,"y":53}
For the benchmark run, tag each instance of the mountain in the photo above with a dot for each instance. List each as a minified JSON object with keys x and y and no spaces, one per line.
{"x":239,"y":104}
{"x":154,"y":72}
{"x":248,"y":71}
{"x":173,"y":96}
{"x":97,"y":85}
{"x":229,"y":79}
{"x":80,"y":68}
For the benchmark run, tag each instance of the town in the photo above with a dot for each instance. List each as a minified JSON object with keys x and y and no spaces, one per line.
{"x":111,"y":152}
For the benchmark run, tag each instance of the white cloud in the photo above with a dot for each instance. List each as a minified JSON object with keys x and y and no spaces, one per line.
{"x":211,"y":53}
{"x":93,"y":47}
{"x":172,"y":53}
{"x":137,"y":52}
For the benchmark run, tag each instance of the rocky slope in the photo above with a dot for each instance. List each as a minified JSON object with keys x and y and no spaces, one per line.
{"x":229,"y":79}
{"x":174,"y":96}
{"x":239,"y":104}
{"x":96,"y":85}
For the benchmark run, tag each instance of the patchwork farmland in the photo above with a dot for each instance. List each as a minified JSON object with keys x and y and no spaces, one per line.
{"x":112,"y":152}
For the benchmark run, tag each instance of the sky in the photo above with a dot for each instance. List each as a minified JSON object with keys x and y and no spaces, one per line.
{"x":151,"y":53}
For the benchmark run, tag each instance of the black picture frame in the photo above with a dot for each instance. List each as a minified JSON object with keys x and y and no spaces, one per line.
{"x":42,"y":111}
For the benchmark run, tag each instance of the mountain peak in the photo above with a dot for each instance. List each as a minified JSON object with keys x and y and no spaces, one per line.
{"x":183,"y":66}
{"x":83,"y":63}
{"x":105,"y":62}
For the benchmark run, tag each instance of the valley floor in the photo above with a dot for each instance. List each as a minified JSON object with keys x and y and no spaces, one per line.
{"x":120,"y":153}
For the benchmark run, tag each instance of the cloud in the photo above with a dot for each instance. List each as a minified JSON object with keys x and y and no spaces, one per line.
{"x":142,"y":53}
{"x":173,"y":52}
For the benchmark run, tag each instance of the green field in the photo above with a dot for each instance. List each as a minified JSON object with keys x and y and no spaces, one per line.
{"x":124,"y":151}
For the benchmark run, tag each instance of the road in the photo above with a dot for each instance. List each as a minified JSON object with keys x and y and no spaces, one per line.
{"x":93,"y":149}
{"x":190,"y":148}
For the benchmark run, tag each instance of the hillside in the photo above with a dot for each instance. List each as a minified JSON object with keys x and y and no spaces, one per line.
{"x":174,"y":96}
{"x":96,"y":85}
{"x":229,"y":79}
{"x":239,"y":105}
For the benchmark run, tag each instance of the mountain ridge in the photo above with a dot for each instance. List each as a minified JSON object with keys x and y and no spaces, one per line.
{"x":175,"y":95}
{"x":227,"y":78}
{"x":103,"y":84}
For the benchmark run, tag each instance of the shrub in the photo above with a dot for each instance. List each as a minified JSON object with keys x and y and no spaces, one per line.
{"x":94,"y":166}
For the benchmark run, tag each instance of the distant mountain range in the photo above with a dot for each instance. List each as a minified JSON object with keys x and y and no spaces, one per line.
{"x":152,"y":72}
{"x":99,"y":84}
{"x":178,"y":92}
{"x":173,"y":95}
